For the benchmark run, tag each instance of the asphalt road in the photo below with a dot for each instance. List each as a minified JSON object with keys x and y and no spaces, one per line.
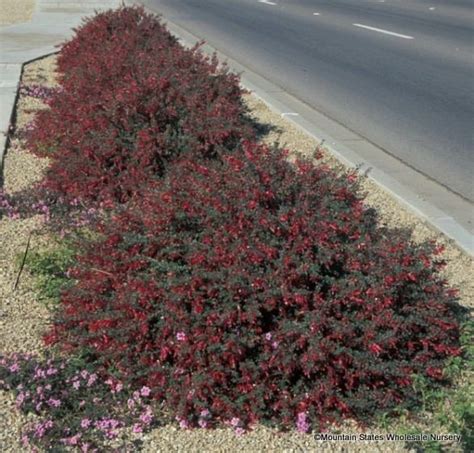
{"x":399,"y":73}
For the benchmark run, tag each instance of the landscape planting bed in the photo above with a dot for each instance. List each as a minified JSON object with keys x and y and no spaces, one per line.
{"x":23,"y":317}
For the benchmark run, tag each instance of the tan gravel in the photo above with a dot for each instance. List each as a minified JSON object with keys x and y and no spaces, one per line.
{"x":22,"y":318}
{"x":16,"y":11}
{"x":261,"y":440}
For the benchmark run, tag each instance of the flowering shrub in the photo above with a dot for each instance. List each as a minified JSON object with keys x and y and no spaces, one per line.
{"x":249,"y":289}
{"x":228,"y":283}
{"x":75,"y":407}
{"x":133,"y":99}
{"x":89,"y":60}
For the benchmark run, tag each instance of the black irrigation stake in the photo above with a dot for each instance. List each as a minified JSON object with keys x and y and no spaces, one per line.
{"x":23,"y":262}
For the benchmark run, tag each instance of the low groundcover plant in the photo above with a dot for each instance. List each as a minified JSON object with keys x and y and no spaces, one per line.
{"x":75,"y":406}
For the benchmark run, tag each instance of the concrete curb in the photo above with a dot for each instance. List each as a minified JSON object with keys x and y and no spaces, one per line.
{"x":10,"y":75}
{"x":296,"y":112}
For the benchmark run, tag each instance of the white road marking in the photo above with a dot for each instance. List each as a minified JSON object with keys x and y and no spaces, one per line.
{"x":266,"y":2}
{"x":290,"y":114}
{"x":315,"y":14}
{"x":432,"y":8}
{"x":380,"y":30}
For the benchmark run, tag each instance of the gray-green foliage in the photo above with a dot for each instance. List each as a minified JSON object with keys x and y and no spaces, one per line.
{"x":448,"y":410}
{"x":50,"y":267}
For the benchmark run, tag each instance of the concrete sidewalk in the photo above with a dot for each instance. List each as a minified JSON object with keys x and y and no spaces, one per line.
{"x":51,"y":24}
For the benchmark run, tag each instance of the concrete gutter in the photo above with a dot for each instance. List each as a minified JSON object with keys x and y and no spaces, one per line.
{"x":410,"y":188}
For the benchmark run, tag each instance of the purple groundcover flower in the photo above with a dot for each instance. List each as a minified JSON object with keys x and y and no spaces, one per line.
{"x":147,"y":416}
{"x":54,"y":402}
{"x":235,"y":421}
{"x":183,"y":423}
{"x":145,"y":391}
{"x":137,"y":428}
{"x":42,"y":427}
{"x":73,"y":440}
{"x":38,"y":91}
{"x":302,"y":424}
{"x":92,"y":379}
{"x":202,"y":423}
{"x":85,"y":423}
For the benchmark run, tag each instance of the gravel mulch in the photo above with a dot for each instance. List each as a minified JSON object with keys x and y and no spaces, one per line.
{"x":23,"y":319}
{"x":16,"y":11}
